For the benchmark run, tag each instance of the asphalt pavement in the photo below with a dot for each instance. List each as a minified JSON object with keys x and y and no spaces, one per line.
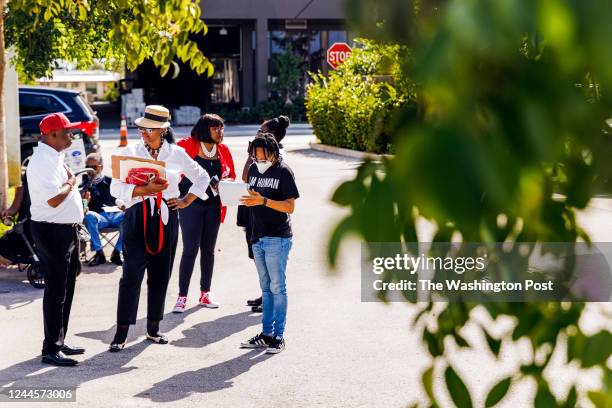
{"x":340,"y":352}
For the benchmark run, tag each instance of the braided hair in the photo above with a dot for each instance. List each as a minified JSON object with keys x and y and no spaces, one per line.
{"x":278,"y":127}
{"x":268,"y":142}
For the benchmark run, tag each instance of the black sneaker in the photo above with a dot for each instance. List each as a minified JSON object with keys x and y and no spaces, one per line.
{"x":257,"y":309}
{"x":276,"y":345}
{"x":254,"y":302}
{"x":116,"y":258}
{"x":98,"y":259}
{"x":261,"y":340}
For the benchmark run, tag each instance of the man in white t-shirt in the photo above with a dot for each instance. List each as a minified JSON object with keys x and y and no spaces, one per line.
{"x":57,"y":210}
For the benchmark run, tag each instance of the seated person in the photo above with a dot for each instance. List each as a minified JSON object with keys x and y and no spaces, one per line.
{"x":98,"y":196}
{"x":21,"y":203}
{"x":12,"y":244}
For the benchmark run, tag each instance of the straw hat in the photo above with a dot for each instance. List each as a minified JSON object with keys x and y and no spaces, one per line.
{"x":155,"y":117}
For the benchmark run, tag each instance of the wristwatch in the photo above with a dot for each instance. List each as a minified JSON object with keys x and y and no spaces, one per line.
{"x":265,"y":201}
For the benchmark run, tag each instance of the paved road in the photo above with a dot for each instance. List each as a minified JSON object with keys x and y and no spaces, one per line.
{"x":340,"y":352}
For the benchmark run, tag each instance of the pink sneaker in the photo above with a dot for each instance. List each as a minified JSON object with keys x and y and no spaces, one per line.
{"x":181,"y":305}
{"x":207,"y":300}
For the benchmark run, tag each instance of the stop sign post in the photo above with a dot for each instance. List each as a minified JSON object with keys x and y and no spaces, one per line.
{"x":337,"y":54}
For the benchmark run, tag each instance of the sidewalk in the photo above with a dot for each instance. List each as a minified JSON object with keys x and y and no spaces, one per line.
{"x":230,"y":131}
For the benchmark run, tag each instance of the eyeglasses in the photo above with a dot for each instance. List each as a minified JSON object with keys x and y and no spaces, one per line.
{"x":143,"y":130}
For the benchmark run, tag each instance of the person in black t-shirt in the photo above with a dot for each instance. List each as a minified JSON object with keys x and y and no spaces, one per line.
{"x":278,"y":128}
{"x":271,"y":199}
{"x":96,"y":218}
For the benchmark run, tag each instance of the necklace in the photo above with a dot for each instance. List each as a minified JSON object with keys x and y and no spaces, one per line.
{"x":154,"y":152}
{"x":210,"y":154}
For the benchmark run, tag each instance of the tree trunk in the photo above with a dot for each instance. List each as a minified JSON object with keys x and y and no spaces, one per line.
{"x":3,"y":155}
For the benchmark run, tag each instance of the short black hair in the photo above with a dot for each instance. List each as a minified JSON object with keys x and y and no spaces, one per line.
{"x":278,"y":127}
{"x":201,"y":130}
{"x":267,"y":142}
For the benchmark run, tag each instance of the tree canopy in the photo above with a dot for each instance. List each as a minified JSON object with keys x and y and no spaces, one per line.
{"x":112,"y":31}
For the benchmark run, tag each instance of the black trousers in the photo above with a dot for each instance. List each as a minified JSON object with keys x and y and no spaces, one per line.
{"x":199,"y":229}
{"x":136,"y":260}
{"x":57,"y":246}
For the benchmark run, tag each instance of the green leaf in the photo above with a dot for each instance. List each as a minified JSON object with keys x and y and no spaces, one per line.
{"x":434,"y":345}
{"x":498,"y":392}
{"x":461,"y":342}
{"x":164,"y":70}
{"x":427,"y":380}
{"x":570,"y":401}
{"x":343,"y":228}
{"x":349,"y":192}
{"x":457,"y":389}
{"x":494,"y":344}
{"x":544,"y":398}
{"x":599,"y":399}
{"x":526,"y":324}
{"x":597,"y":349}
{"x":82,"y":13}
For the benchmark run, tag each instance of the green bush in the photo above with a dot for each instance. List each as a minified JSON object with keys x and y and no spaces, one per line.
{"x":354,"y":106}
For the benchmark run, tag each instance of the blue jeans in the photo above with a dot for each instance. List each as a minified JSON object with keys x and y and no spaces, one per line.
{"x":94,"y":222}
{"x":271,"y":254}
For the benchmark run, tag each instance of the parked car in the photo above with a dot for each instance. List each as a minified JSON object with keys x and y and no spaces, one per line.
{"x":36,"y":101}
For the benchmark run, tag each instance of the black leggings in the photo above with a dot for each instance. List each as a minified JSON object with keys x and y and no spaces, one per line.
{"x":199,"y":229}
{"x":137,"y":260}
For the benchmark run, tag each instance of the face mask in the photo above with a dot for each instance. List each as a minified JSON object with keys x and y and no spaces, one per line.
{"x":263,"y":166}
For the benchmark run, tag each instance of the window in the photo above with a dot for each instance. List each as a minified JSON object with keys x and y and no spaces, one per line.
{"x":32,"y":104}
{"x":226,"y":81}
{"x":336,"y":36}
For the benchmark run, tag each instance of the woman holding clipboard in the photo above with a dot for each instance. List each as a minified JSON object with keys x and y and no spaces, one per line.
{"x":151,"y":224}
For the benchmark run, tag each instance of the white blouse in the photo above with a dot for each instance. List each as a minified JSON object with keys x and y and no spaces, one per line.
{"x":178,"y":163}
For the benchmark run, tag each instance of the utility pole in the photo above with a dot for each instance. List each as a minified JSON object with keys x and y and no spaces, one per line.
{"x":3,"y":156}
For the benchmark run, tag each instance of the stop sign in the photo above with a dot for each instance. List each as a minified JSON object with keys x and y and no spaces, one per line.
{"x":337,"y":54}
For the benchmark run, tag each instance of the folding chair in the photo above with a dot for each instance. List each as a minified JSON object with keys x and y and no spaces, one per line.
{"x":109,"y":236}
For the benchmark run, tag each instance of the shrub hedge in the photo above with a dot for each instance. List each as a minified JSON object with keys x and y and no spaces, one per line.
{"x":354,"y":106}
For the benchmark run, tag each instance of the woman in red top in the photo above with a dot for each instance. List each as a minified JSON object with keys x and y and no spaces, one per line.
{"x":200,"y":221}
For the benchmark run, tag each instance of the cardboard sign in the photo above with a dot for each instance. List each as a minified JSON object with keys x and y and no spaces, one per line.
{"x":121,"y":165}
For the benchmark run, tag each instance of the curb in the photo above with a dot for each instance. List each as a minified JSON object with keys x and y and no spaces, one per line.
{"x":355,"y":154}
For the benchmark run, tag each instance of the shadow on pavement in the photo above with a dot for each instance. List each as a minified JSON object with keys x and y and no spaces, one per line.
{"x":108,"y":364}
{"x":15,"y":290}
{"x":170,"y":322}
{"x":205,"y":333}
{"x":105,"y":269}
{"x":208,"y":379}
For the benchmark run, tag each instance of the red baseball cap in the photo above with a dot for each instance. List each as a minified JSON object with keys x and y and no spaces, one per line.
{"x":56,"y":121}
